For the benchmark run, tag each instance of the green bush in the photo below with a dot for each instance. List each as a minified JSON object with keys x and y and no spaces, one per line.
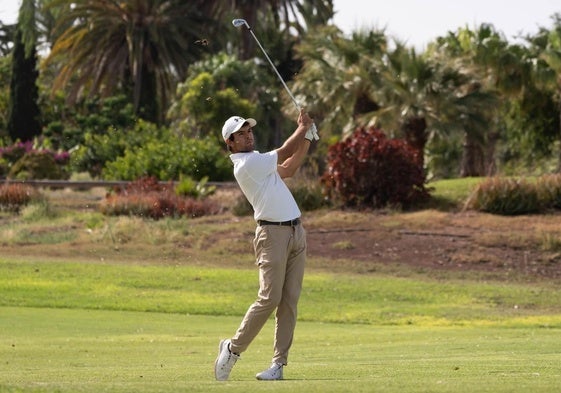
{"x":38,"y":165}
{"x":187,"y":186}
{"x":66,"y":127}
{"x":167,"y":156}
{"x":505,"y":196}
{"x":4,"y":167}
{"x":309,"y":196}
{"x":242,"y":207}
{"x":33,"y":160}
{"x":98,"y":149}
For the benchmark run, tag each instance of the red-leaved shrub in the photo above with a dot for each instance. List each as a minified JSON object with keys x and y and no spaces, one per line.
{"x":14,"y":196}
{"x":146,"y":197}
{"x":369,"y":170}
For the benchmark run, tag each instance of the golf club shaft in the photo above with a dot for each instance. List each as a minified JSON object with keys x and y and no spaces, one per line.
{"x":276,"y":71}
{"x":238,"y":23}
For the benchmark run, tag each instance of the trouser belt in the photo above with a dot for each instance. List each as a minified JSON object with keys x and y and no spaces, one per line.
{"x":290,"y":223}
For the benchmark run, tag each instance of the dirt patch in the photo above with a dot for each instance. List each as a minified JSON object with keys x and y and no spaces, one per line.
{"x":513,"y":246}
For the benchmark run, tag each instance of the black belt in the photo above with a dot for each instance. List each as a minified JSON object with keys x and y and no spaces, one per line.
{"x":290,"y":223}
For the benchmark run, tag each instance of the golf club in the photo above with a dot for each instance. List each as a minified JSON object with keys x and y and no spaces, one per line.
{"x":241,"y":22}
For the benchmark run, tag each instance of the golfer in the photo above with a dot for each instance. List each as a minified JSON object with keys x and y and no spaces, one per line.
{"x":280,"y":239}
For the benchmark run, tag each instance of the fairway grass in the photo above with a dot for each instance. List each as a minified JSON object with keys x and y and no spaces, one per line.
{"x":62,"y":350}
{"x":98,"y":327}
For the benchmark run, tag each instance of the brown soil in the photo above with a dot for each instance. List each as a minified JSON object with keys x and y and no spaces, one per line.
{"x":431,"y":241}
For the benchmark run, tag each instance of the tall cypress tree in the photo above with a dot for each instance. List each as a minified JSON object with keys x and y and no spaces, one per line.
{"x":24,"y":121}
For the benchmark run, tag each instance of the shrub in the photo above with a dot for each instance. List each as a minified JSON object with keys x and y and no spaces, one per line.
{"x":16,"y":151}
{"x":67,"y":126}
{"x":38,"y":165}
{"x":242,"y":207}
{"x":98,"y":149}
{"x":32,"y":160}
{"x":309,"y":196}
{"x":505,"y":196}
{"x":167,"y":155}
{"x":14,"y":196}
{"x":549,"y":190}
{"x":143,"y":185}
{"x":146,"y":197}
{"x":157,"y":205}
{"x":369,"y":170}
{"x":191,"y":188}
{"x":4,"y":168}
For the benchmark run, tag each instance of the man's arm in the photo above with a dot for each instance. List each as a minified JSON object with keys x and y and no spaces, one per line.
{"x":295,"y":141}
{"x":289,"y":166}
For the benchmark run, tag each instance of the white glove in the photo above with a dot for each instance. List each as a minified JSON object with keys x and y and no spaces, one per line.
{"x":312,"y":133}
{"x":315,"y":131}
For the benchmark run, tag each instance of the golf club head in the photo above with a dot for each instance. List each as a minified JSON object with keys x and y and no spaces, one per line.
{"x":240,"y":22}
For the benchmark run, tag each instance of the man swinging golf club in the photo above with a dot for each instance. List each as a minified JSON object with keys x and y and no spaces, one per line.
{"x":279,"y":243}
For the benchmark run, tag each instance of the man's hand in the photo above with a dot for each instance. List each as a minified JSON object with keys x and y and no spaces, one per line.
{"x":305,"y":120}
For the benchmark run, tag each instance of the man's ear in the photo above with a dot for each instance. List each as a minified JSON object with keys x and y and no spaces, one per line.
{"x":229,"y":143}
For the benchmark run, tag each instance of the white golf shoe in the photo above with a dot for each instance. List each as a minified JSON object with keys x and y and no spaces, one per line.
{"x":273,"y":373}
{"x":225,"y":361}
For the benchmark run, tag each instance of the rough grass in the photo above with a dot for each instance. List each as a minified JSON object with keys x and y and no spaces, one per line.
{"x":341,"y":298}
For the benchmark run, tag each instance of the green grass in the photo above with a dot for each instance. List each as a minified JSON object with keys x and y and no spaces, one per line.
{"x":61,"y":350}
{"x":341,"y":298}
{"x":453,"y":192}
{"x":93,"y":327}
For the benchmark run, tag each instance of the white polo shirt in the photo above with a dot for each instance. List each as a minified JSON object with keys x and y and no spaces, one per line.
{"x":257,"y":175}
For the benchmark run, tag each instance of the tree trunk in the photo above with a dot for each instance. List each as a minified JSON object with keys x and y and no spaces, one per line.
{"x":473,"y":157}
{"x":248,"y":46}
{"x":414,"y":129}
{"x":489,"y":153}
{"x":149,"y":99}
{"x":559,"y":104}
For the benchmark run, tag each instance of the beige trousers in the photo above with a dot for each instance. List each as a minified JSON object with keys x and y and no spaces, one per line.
{"x":280,"y":253}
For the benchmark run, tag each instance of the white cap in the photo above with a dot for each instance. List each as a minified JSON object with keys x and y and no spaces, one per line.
{"x":234,"y":123}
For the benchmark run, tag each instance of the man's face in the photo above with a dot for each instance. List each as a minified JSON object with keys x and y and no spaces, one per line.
{"x":242,"y":141}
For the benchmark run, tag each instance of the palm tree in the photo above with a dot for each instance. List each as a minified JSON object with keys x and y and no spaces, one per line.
{"x":421,"y":98}
{"x":280,"y":16}
{"x":359,"y":81}
{"x":339,"y":77}
{"x":143,"y":46}
{"x":492,"y":68}
{"x":411,"y":96}
{"x":550,"y":76}
{"x":7,"y":33}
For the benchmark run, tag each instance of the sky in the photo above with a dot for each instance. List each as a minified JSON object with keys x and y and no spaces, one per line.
{"x":417,"y":22}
